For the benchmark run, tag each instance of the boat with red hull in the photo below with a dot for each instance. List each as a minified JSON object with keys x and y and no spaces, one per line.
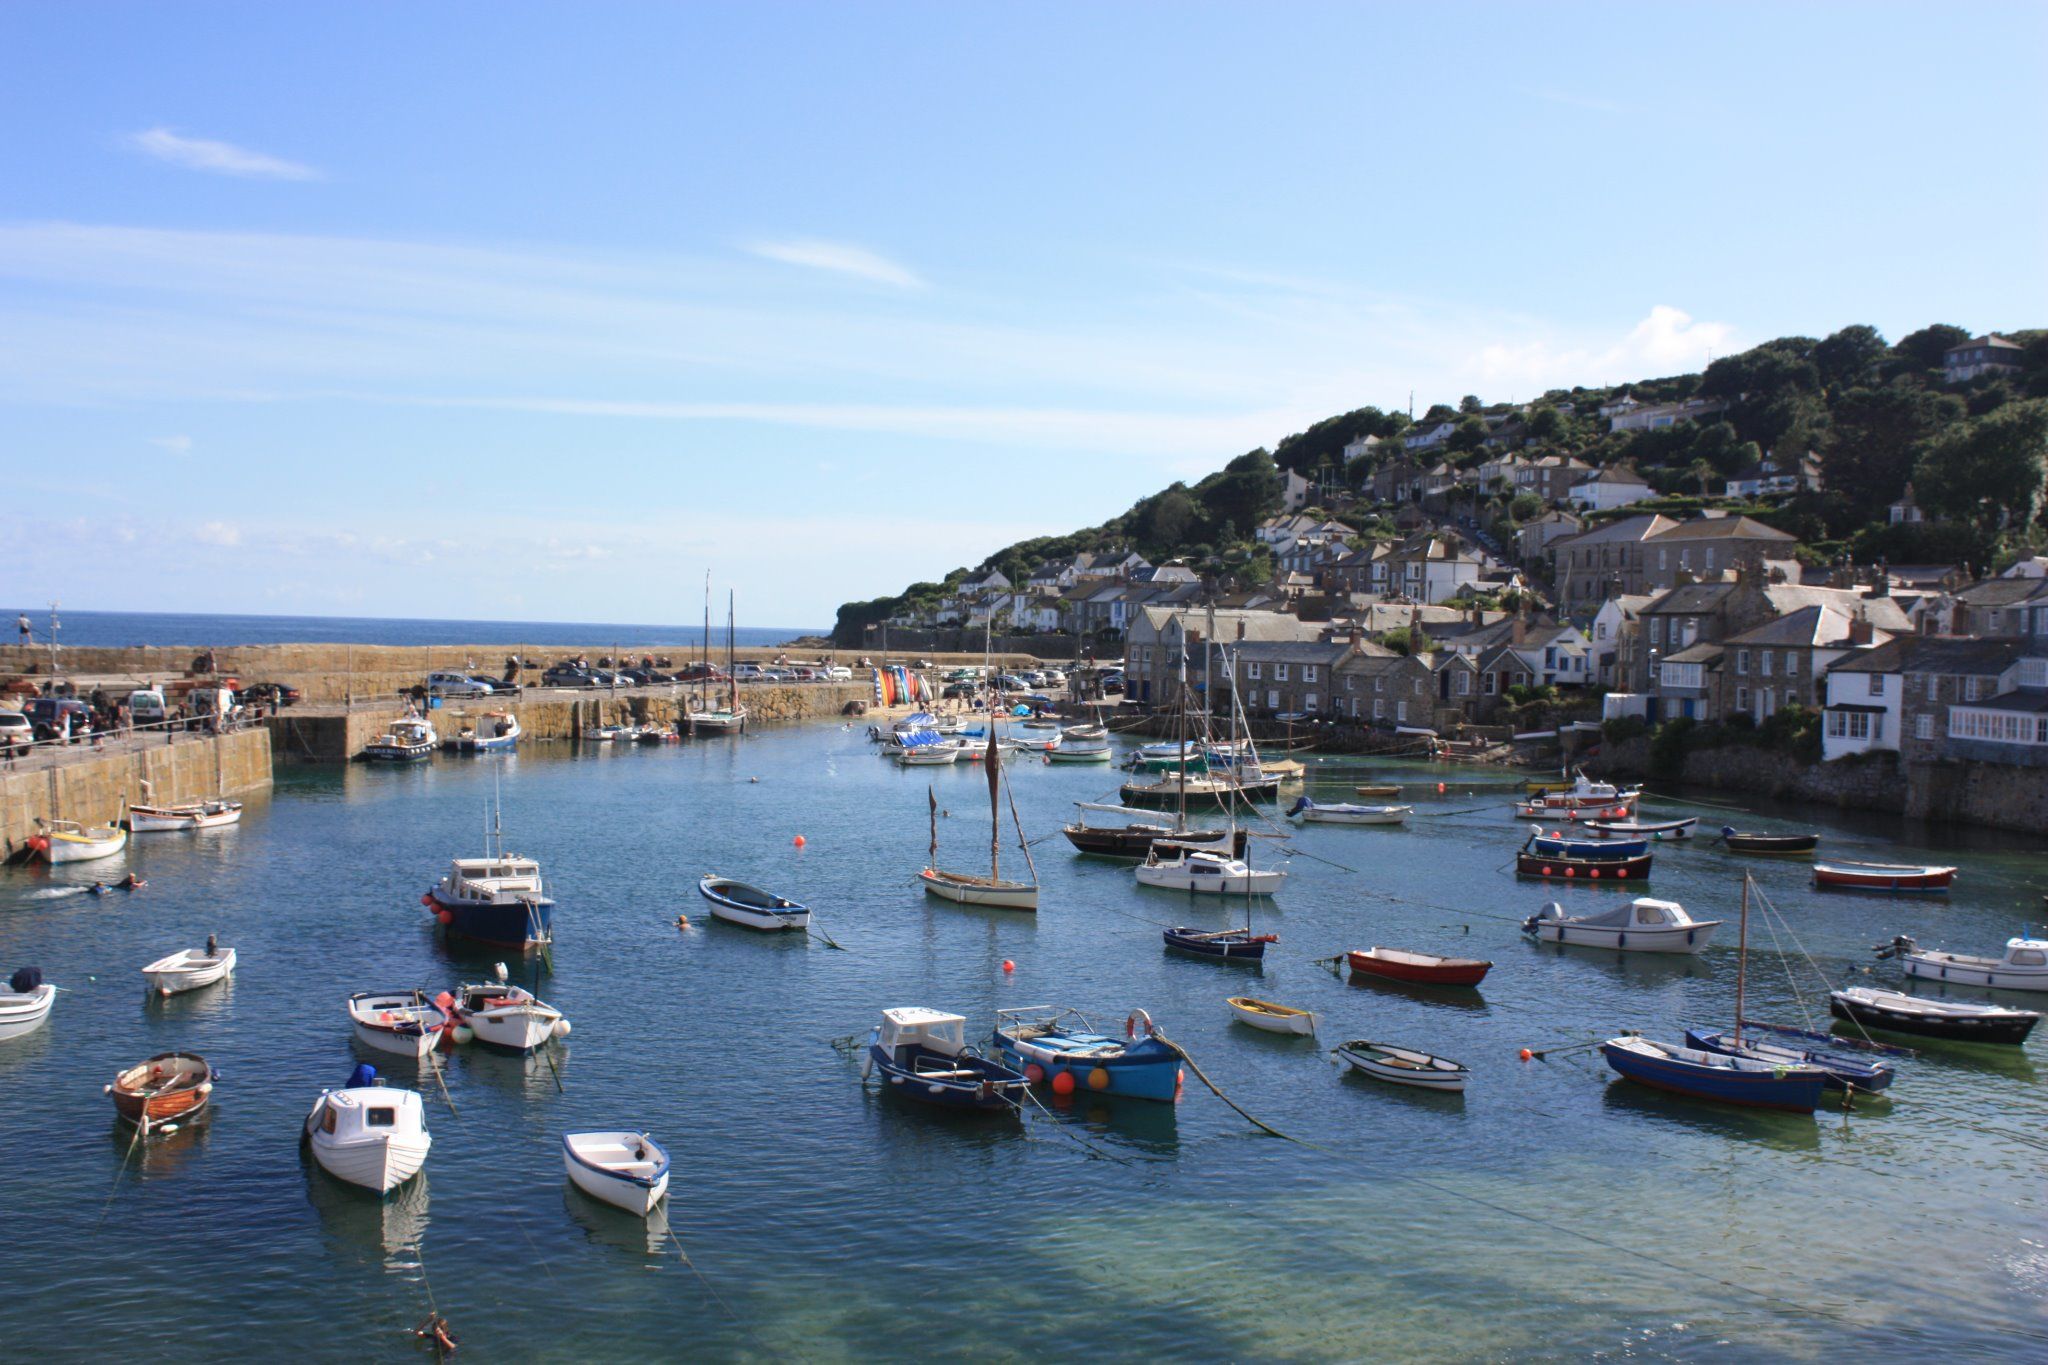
{"x":1925,"y":877}
{"x":1417,"y":969}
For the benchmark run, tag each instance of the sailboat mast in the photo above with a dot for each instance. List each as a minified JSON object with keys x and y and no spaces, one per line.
{"x":932,"y":796}
{"x":704,"y":641}
{"x":732,"y":676}
{"x":993,"y":760}
{"x":1742,"y":960}
{"x":1180,"y":740}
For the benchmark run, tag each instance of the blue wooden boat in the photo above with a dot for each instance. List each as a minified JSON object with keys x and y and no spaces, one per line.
{"x":1841,"y":1073}
{"x":1238,"y":945}
{"x":1715,"y":1076}
{"x":1047,"y":1042}
{"x":922,"y":1055}
{"x":1599,"y":850}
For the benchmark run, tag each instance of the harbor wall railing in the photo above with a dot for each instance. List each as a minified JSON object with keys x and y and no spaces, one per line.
{"x":95,"y":786}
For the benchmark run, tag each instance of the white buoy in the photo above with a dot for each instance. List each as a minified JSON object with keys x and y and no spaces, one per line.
{"x":561,"y":1028}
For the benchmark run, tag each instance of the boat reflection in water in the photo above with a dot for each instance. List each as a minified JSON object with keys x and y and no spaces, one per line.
{"x":1775,"y":1129}
{"x":164,"y":1152}
{"x":389,"y":1230}
{"x":615,"y":1229}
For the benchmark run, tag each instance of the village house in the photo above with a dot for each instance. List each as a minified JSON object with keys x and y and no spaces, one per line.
{"x":1157,"y":635}
{"x":1399,"y":481}
{"x":1785,"y":662}
{"x":1497,"y":472}
{"x":2002,"y":606}
{"x":1427,"y":436}
{"x":1388,"y":688}
{"x":1534,"y":539}
{"x":1934,"y":698}
{"x":1629,"y":415}
{"x":1280,"y":677}
{"x":1617,"y":485}
{"x":1775,"y":477}
{"x":1425,"y":568}
{"x":1905,"y":512}
{"x":1605,"y":560}
{"x":1550,"y":477}
{"x":1707,"y":547}
{"x":1985,"y":355}
{"x":1613,"y":637}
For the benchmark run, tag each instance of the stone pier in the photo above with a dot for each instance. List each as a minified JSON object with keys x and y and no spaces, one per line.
{"x":95,"y":787}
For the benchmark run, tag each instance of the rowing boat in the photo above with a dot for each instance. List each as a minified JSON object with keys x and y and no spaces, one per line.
{"x":1264,"y":1014}
{"x":1403,"y":1066}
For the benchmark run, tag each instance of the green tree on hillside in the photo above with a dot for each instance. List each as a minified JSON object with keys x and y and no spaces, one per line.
{"x":1850,"y":356}
{"x":1874,"y":435}
{"x":1245,"y":493}
{"x":1924,"y":349}
{"x":1989,"y":466}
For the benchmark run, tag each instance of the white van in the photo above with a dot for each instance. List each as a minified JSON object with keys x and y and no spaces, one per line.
{"x":146,"y":706}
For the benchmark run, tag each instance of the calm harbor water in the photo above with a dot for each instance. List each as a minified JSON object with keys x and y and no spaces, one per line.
{"x":1552,"y":1211}
{"x":121,"y":629}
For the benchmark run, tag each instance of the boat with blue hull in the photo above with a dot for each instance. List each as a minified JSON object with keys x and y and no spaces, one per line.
{"x":1714,"y":1075}
{"x":1048,"y":1041}
{"x":1557,"y":845}
{"x":922,"y":1055}
{"x":1839,"y":1072}
{"x":497,"y":899}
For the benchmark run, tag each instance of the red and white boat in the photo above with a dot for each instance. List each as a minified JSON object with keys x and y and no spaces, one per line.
{"x":1424,"y":969}
{"x":195,"y":815}
{"x":1924,"y":877}
{"x":1583,"y":800}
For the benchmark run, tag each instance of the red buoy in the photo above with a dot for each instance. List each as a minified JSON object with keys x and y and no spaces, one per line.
{"x":1063,"y":1083}
{"x":798,"y":841}
{"x":1009,"y":966}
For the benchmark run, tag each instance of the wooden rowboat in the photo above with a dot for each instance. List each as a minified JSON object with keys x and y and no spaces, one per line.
{"x":170,"y":1085}
{"x":1623,"y":870}
{"x":1378,"y":789}
{"x":1403,"y":1066}
{"x":1271,"y":1017}
{"x":1792,"y":845}
{"x":1847,"y":876}
{"x":1418,"y":968}
{"x":736,"y":902}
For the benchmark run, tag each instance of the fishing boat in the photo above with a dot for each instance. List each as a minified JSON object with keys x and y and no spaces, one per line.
{"x":67,"y":841}
{"x":498,"y":898}
{"x":1264,"y":1014}
{"x":1135,"y":839}
{"x":26,"y":1003}
{"x":925,"y":749}
{"x":730,"y":718}
{"x":1557,"y":845}
{"x":1237,"y":945}
{"x":1642,"y":926}
{"x":1583,"y":800}
{"x":1656,"y":830}
{"x":1928,"y":878}
{"x":1377,"y":789}
{"x":503,"y":1015}
{"x":1403,"y":1066}
{"x":2023,"y":968}
{"x":1954,"y":1020}
{"x":404,"y":1022}
{"x":1791,"y":845}
{"x":1049,"y":1041}
{"x":922,"y":1055}
{"x":175,"y":819}
{"x":968,"y":888}
{"x":1419,"y":969}
{"x":491,"y":732}
{"x":1719,"y":1076}
{"x":627,"y":1170}
{"x":1347,"y":813}
{"x":368,"y":1133}
{"x":1173,"y":865}
{"x":190,"y":968}
{"x":167,"y":1087}
{"x":736,"y":902}
{"x":409,"y":740}
{"x":1560,"y":868}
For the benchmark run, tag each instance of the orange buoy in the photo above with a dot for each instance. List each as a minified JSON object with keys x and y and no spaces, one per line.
{"x":1063,"y":1083}
{"x":799,"y":841}
{"x":1009,"y":966}
{"x":1034,"y":1073}
{"x":1098,"y":1078}
{"x":1526,"y":1054}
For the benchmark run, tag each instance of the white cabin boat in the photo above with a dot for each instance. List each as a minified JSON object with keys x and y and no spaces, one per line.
{"x":404,"y":1022}
{"x":629,"y":1170}
{"x":407,"y":741}
{"x":606,"y":734}
{"x":172,"y":819}
{"x":369,"y":1134}
{"x":1348,"y":813}
{"x":490,"y":732}
{"x":1643,"y":925}
{"x":190,"y":969}
{"x":1178,"y":867}
{"x":507,"y":1016}
{"x":67,"y":841}
{"x":2023,"y":968}
{"x":25,"y":1004}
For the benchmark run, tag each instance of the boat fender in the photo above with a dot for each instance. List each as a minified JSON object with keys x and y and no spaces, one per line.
{"x":427,"y":898}
{"x":561,"y":1028}
{"x":1098,"y":1078}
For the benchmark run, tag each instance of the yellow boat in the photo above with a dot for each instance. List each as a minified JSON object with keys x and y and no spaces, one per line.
{"x":1379,"y":789}
{"x":1271,"y":1017}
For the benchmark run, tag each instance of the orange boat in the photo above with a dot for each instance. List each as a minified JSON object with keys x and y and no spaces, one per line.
{"x":170,"y":1085}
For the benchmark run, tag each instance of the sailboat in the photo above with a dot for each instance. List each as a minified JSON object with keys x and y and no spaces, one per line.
{"x":731,"y":718}
{"x":968,"y":888}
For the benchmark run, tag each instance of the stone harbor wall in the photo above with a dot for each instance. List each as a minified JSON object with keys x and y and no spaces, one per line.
{"x":96,"y":787}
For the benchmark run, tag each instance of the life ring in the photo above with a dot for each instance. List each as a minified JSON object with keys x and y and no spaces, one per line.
{"x":1131,"y":1022}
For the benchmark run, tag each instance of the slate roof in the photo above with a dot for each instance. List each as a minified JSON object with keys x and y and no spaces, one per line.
{"x":1724,"y":528}
{"x":1935,"y":654}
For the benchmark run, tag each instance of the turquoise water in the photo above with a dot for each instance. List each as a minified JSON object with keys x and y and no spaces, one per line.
{"x":1553,"y":1210}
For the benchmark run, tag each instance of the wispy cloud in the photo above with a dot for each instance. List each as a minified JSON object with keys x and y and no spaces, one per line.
{"x":839,"y":257}
{"x":218,"y":533}
{"x":177,"y":445}
{"x":218,"y":158}
{"x":1667,"y":341}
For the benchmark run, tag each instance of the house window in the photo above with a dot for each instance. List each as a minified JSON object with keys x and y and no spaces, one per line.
{"x":1742,"y":699}
{"x":1656,"y":630}
{"x":1351,"y":684}
{"x":1764,"y":662}
{"x":1464,"y":684}
{"x":1308,"y":673}
{"x":1970,"y":686}
{"x":1487,"y":682}
{"x":1379,"y":684}
{"x":1849,"y":725}
{"x":1379,"y":709}
{"x":1741,"y":663}
{"x":1877,"y":684}
{"x":1401,"y":711}
{"x":1279,"y":672}
{"x":1923,"y":726}
{"x":1418,"y":687}
{"x":1308,"y":701}
{"x":1251,"y":670}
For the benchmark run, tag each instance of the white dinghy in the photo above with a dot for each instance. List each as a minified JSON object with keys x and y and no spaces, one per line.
{"x":26,"y":1003}
{"x":190,"y":969}
{"x":368,"y":1133}
{"x":1403,"y":1066}
{"x":1348,"y":813}
{"x":172,"y":819}
{"x":1643,"y":925}
{"x":629,"y":1170}
{"x":404,"y":1022}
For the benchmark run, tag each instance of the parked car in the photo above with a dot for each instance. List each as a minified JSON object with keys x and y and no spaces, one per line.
{"x":1112,"y":682}
{"x":838,"y":673}
{"x":749,"y":672}
{"x":256,"y":694}
{"x":17,"y":732}
{"x":46,"y":715}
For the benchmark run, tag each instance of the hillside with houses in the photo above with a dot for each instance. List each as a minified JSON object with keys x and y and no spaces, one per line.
{"x":1831,"y":545}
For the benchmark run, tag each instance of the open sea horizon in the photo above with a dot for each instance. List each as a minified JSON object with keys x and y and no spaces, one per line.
{"x":119,"y":629}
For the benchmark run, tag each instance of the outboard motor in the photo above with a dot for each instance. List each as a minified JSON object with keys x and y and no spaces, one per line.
{"x":25,"y":980}
{"x":362,"y":1077}
{"x":1301,"y":803}
{"x":1898,"y":947}
{"x":1551,"y":910}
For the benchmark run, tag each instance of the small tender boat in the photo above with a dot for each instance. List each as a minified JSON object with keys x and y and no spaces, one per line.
{"x":1403,"y":1066}
{"x":1422,"y":969}
{"x":2023,"y":968}
{"x":1791,"y":845}
{"x":1048,"y":1041}
{"x":628,"y":1170}
{"x":1931,"y":878}
{"x":1840,"y":1072}
{"x":189,"y":969}
{"x":937,"y":753}
{"x":172,"y":819}
{"x":1377,"y":789}
{"x":170,"y":1085}
{"x":606,"y":734}
{"x":738,"y":903}
{"x":67,"y":841}
{"x":922,"y":1055}
{"x":1596,"y":850}
{"x":1560,"y":868}
{"x":368,"y":1133}
{"x":1175,"y":866}
{"x":1956,"y":1020}
{"x":1718,"y":1076}
{"x":407,"y":741}
{"x":1346,"y":813}
{"x":1642,"y":926}
{"x":1272,"y":1018}
{"x":26,"y":1003}
{"x":1076,"y":747}
{"x":1659,"y":830}
{"x":1238,"y":945}
{"x":504,"y":1015}
{"x":493,"y":731}
{"x":404,"y":1022}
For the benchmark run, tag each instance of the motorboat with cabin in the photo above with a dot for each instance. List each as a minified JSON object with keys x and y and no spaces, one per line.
{"x":409,"y":740}
{"x":1643,"y":925}
{"x":923,"y":1055}
{"x":498,"y":898}
{"x":1049,"y":1041}
{"x":368,"y":1133}
{"x":492,"y":732}
{"x":2023,"y":968}
{"x":1173,"y":865}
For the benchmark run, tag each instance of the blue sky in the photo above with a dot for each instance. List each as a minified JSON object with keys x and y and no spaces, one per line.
{"x":538,"y":311}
